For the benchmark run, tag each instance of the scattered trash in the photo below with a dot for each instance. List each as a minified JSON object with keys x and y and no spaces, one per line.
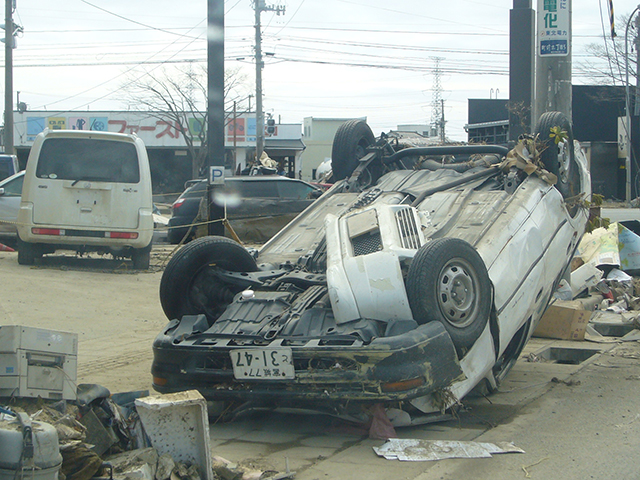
{"x":414,"y":450}
{"x":600,"y":247}
{"x":564,"y":291}
{"x":381,"y":427}
{"x":584,"y":277}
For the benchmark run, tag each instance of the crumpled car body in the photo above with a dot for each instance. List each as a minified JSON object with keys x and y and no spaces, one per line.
{"x":408,"y":286}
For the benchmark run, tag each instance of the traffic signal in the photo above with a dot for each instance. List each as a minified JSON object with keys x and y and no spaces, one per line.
{"x":271,"y":126}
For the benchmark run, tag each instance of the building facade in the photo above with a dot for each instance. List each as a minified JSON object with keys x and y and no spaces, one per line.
{"x":169,"y":158}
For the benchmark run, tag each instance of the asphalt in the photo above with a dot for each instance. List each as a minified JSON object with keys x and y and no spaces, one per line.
{"x":574,"y":421}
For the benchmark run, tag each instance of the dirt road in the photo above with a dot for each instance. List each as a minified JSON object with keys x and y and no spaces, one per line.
{"x":583,"y":424}
{"x":114,"y":310}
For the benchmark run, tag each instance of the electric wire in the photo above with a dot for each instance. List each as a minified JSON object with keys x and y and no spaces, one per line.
{"x":150,"y":27}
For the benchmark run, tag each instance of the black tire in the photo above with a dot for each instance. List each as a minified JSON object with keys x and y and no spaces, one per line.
{"x":27,"y":253}
{"x":188,"y":287}
{"x":559,"y":159}
{"x":349,"y":145}
{"x":141,"y":258}
{"x":448,"y":282}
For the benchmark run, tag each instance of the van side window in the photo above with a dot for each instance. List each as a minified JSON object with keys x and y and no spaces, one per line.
{"x":88,"y":159}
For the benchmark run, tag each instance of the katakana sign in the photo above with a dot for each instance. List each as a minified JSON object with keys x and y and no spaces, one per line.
{"x":554,"y":28}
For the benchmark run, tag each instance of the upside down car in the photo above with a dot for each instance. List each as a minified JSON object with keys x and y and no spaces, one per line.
{"x":417,"y":277}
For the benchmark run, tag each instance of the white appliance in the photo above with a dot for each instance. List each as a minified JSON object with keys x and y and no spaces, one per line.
{"x":35,"y":362}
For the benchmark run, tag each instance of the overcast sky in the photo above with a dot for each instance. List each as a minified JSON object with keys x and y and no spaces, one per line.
{"x":327,"y":58}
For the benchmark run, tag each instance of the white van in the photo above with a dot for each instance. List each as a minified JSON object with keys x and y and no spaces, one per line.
{"x":86,"y":191}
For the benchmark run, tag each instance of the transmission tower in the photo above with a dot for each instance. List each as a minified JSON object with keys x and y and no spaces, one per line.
{"x":437,"y":103}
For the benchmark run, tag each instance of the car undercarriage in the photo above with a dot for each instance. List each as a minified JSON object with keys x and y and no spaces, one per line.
{"x":418,"y":276}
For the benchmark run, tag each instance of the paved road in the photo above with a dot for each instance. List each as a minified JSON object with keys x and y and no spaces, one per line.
{"x":586,"y":424}
{"x":620,"y":214}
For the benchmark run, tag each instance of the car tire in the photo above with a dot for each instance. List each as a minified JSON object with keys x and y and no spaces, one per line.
{"x":187,"y":286}
{"x":27,"y":253}
{"x":448,"y":282}
{"x":559,"y":159}
{"x":349,"y":145}
{"x":141,"y":258}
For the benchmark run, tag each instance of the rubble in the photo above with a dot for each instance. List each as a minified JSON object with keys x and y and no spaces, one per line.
{"x":101,"y":436}
{"x":601,"y":303}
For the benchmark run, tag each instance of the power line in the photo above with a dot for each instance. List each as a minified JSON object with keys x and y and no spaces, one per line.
{"x":151,"y":27}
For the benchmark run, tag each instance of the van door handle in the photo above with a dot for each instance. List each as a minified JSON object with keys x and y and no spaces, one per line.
{"x":86,"y":209}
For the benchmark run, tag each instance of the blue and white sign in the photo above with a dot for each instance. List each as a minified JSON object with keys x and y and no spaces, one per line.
{"x":554,"y":28}
{"x":216,"y":175}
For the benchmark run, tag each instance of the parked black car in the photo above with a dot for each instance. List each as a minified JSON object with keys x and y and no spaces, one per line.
{"x":257,"y":206}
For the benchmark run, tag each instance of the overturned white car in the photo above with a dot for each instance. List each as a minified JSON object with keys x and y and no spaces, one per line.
{"x":418,"y":276}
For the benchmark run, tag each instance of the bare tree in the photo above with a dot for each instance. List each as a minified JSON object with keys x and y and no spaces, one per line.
{"x":606,"y":64}
{"x":179,"y":97}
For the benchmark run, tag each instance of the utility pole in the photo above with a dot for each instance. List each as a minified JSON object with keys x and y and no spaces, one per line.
{"x":636,"y":103}
{"x":259,"y":7}
{"x":553,"y":69}
{"x":215,"y":105}
{"x":8,"y":77}
{"x":521,"y":67}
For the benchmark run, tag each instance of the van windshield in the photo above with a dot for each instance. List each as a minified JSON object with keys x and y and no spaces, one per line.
{"x":88,"y":159}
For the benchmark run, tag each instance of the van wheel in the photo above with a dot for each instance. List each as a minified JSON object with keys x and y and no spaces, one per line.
{"x":141,"y":258}
{"x":349,"y":146}
{"x":559,"y":158}
{"x":448,"y":282}
{"x":189,"y":284}
{"x":27,"y":253}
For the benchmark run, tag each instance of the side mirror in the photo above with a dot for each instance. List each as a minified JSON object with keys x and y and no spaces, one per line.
{"x":1,"y":191}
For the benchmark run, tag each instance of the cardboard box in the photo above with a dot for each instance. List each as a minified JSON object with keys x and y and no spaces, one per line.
{"x":563,"y":321}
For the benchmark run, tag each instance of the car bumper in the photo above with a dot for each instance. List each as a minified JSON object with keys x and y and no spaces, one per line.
{"x":402,"y":367}
{"x":178,"y":228}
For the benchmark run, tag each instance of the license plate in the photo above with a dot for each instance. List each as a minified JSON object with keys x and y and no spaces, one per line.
{"x":262,"y":364}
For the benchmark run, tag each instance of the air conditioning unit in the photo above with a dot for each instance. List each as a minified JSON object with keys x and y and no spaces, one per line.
{"x":35,"y":362}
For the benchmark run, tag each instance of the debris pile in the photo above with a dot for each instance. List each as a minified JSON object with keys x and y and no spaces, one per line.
{"x":127,"y":436}
{"x":601,"y":302}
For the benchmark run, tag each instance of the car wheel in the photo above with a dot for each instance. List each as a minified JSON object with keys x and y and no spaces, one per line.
{"x":349,"y":145}
{"x":189,"y":285}
{"x":559,"y":159}
{"x":27,"y":253}
{"x":448,"y":282}
{"x":141,"y":258}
